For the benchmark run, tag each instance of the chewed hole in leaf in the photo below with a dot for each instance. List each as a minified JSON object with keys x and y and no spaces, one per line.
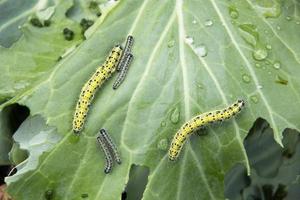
{"x":138,"y":179}
{"x":11,"y":118}
{"x":4,"y":170}
{"x":235,"y":181}
{"x":15,"y":115}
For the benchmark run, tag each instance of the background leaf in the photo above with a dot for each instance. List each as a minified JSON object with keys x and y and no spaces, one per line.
{"x":190,"y":57}
{"x":274,"y":170}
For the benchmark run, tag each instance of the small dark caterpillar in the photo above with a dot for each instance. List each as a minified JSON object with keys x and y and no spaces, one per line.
{"x":198,"y":122}
{"x":91,"y":86}
{"x":127,"y":49}
{"x":111,"y":145}
{"x":108,"y":157}
{"x":123,"y":72}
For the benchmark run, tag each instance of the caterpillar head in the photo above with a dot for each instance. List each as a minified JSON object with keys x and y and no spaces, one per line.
{"x":241,"y":102}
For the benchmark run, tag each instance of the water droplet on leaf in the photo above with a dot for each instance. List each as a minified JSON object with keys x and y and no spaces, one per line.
{"x":49,"y":194}
{"x":233,"y":12}
{"x":163,"y":124}
{"x":175,"y":114}
{"x":269,"y":9}
{"x":74,"y":138}
{"x":260,"y":53}
{"x":259,"y":87}
{"x":254,"y":98}
{"x":201,"y":50}
{"x":171,"y":43}
{"x":246,"y":78}
{"x":288,"y":18}
{"x":163,"y":144}
{"x":281,"y":80}
{"x":249,"y":34}
{"x":268,"y":46}
{"x":277,"y":65}
{"x":189,"y":40}
{"x":199,"y":85}
{"x":208,"y":22}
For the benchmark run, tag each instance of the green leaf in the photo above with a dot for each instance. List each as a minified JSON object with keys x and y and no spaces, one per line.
{"x":35,"y":137}
{"x":13,"y":14}
{"x":190,"y":57}
{"x":32,"y":58}
{"x":10,"y":119}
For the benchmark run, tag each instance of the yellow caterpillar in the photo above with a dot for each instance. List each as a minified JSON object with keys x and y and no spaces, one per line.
{"x":198,"y":122}
{"x":91,"y":86}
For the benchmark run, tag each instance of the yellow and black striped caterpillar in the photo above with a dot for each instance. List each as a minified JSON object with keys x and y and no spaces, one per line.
{"x":91,"y":86}
{"x":199,"y":121}
{"x":110,"y":150}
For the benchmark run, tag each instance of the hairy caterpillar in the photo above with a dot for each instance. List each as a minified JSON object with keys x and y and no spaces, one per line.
{"x":200,"y":121}
{"x":127,"y":49}
{"x":91,"y":86}
{"x":111,"y":145}
{"x":107,"y":154}
{"x":123,"y":72}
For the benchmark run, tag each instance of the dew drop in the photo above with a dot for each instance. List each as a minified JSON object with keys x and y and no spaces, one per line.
{"x":297,"y":179}
{"x":201,"y":50}
{"x":163,"y":124}
{"x":269,"y":9}
{"x":199,"y":85}
{"x":194,"y":21}
{"x":260,"y":53}
{"x":254,"y":99}
{"x":259,"y":87}
{"x":288,"y":18}
{"x":171,"y":43}
{"x":249,"y":34}
{"x":278,"y":28}
{"x":281,"y":80}
{"x":246,"y":78}
{"x":268,"y":46}
{"x":233,"y":22}
{"x":163,"y":144}
{"x":277,"y":65}
{"x":233,"y":12}
{"x":175,"y":115}
{"x":257,"y":65}
{"x":208,"y":22}
{"x":49,"y":194}
{"x":74,"y":138}
{"x":298,"y":22}
{"x":189,"y":40}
